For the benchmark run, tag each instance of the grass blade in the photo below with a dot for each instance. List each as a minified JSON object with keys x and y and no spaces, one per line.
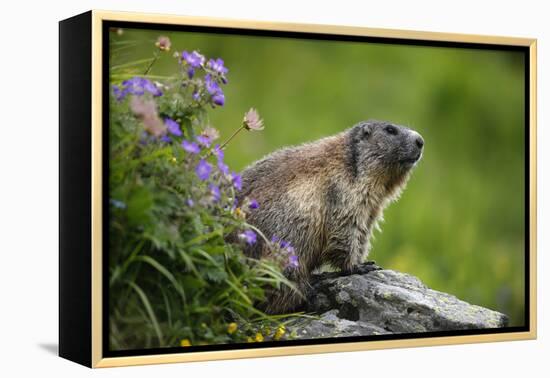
{"x":149,"y":310}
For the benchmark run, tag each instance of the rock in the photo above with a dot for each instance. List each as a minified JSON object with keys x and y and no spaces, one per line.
{"x":331,"y":325}
{"x":374,"y":301}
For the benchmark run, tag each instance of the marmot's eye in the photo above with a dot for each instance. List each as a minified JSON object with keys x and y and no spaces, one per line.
{"x":391,"y":130}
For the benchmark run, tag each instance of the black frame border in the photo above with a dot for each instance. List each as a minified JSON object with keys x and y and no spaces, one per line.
{"x":75,"y":183}
{"x":107,"y":24}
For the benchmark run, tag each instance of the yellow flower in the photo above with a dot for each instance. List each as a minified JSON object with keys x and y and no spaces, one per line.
{"x":249,"y":339}
{"x":231,"y":328}
{"x":239,"y":213}
{"x":279,"y":333}
{"x":259,"y":337}
{"x":173,"y":160}
{"x":185,"y":343}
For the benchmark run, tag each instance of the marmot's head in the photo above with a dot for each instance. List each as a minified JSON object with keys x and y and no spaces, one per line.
{"x":383,"y":151}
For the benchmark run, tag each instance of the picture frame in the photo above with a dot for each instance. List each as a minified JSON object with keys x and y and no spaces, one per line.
{"x":84,"y":102}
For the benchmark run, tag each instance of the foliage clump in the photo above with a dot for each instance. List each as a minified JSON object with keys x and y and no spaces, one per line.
{"x":174,"y":279}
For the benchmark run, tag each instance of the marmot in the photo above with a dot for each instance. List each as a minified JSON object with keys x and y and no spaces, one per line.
{"x":326,"y":197}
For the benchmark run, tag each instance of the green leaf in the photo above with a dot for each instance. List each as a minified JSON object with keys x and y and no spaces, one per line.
{"x":149,"y":310}
{"x":216,"y":274}
{"x":239,"y":291}
{"x":139,"y":206}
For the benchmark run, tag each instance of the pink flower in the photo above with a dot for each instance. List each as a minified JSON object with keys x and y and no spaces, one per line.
{"x":211,"y":133}
{"x":252,"y":120}
{"x":146,"y":111}
{"x":163,"y":43}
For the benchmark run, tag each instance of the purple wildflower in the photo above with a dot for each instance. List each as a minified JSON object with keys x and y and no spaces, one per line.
{"x":204,"y":140}
{"x":215,"y":191}
{"x":237,"y":181}
{"x":218,"y":152}
{"x":293,"y":261}
{"x":284,"y":244}
{"x":190,"y":147}
{"x":139,"y":85}
{"x":217,"y":66}
{"x":223,"y":167}
{"x":218,"y":99}
{"x":190,"y":202}
{"x":196,"y":96}
{"x":172,"y":126}
{"x":214,"y":89}
{"x":151,"y":88}
{"x":203,"y":170}
{"x":274,"y":239}
{"x":166,"y":139}
{"x":134,"y":86}
{"x":253,"y":205}
{"x":211,"y":85}
{"x":118,"y":92}
{"x":194,"y":59}
{"x":248,"y":236}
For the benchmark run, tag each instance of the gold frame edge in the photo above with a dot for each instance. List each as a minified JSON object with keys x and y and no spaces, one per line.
{"x":311,"y":28}
{"x":533,"y":189}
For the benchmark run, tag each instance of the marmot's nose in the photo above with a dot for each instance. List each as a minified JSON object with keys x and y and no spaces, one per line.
{"x":419,"y":142}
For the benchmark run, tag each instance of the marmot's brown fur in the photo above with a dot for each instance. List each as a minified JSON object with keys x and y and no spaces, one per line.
{"x":326,"y":197}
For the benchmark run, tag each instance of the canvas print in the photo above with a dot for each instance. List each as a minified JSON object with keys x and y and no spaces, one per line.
{"x":270,"y":189}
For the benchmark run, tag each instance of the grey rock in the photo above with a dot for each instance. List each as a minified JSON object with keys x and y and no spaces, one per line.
{"x":373,"y":301}
{"x":330,"y":324}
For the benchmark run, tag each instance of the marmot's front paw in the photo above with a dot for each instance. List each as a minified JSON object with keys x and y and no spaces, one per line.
{"x":364,"y":268}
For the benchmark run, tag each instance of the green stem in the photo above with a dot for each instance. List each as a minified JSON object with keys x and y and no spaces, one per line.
{"x":151,"y":64}
{"x":231,"y":137}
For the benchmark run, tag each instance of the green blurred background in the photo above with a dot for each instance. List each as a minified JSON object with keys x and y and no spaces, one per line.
{"x":459,"y":225}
